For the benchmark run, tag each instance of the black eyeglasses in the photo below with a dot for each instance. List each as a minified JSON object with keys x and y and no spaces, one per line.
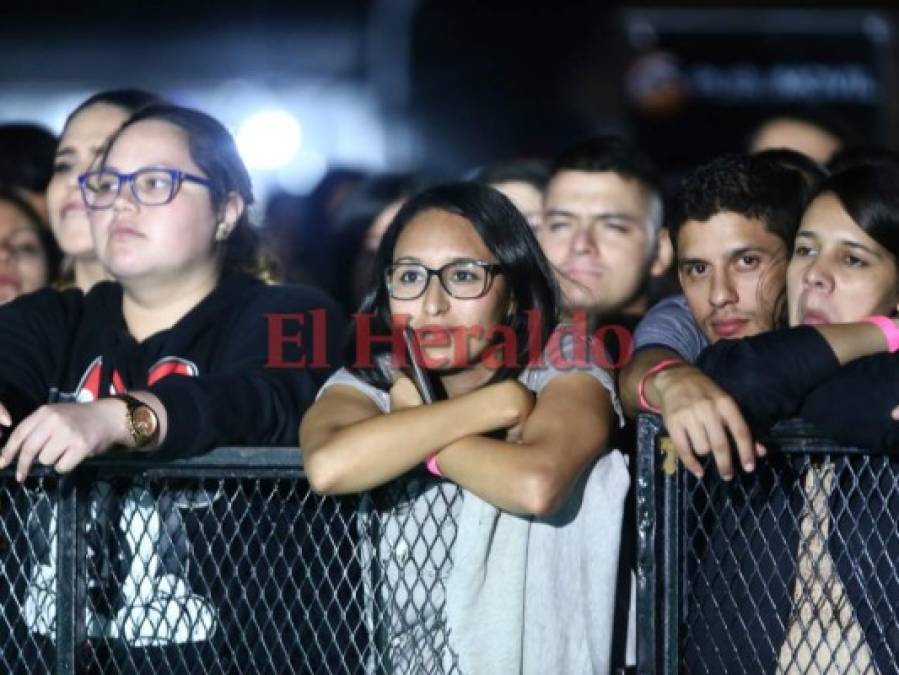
{"x":462,"y":279}
{"x":150,"y":186}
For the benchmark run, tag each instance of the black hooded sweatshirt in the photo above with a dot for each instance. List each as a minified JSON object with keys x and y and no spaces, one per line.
{"x":240,"y":368}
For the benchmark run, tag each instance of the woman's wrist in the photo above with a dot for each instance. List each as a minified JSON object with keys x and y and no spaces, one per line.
{"x":115,"y":416}
{"x":432,"y":466}
{"x":490,"y":408}
{"x":889,"y":330}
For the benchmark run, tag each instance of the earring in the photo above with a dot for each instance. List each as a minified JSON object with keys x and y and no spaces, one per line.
{"x":221,"y":232}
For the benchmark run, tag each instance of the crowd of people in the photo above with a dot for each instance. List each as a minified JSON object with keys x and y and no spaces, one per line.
{"x":550,"y":301}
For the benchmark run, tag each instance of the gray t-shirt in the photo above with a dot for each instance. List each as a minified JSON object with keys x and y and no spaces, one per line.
{"x":413,"y":551}
{"x":670,"y":324}
{"x":558,"y":359}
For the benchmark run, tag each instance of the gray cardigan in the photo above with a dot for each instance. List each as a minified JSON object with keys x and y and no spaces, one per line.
{"x":523,"y":595}
{"x":536,"y":596}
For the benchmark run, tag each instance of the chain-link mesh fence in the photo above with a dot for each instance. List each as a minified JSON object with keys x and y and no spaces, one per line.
{"x":222,"y":564}
{"x":790,"y":569}
{"x":22,"y":541}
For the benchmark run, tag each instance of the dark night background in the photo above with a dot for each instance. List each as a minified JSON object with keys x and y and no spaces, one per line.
{"x":445,"y":85}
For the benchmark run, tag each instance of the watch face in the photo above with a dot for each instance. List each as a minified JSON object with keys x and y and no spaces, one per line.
{"x":144,"y":421}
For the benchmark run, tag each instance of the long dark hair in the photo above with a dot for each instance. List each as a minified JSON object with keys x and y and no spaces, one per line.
{"x":870,"y":195}
{"x":505,"y":232}
{"x":212,"y":148}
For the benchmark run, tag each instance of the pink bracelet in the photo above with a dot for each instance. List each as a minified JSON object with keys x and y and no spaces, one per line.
{"x":432,"y":466}
{"x":641,"y":388}
{"x":888,"y":328}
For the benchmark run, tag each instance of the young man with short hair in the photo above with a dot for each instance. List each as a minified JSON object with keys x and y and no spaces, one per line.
{"x":733,"y":228}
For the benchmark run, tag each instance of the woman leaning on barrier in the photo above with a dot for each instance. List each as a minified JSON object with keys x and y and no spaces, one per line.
{"x":169,"y":360}
{"x":834,"y":368}
{"x":842,"y":303}
{"x":501,"y":556}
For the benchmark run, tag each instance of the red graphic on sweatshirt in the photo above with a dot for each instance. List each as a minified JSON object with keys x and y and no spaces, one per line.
{"x":171,"y":365}
{"x":88,"y":388}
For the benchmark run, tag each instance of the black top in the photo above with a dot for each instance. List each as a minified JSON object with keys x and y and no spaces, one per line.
{"x":215,"y":371}
{"x":794,"y":372}
{"x":770,"y":374}
{"x":854,"y":406}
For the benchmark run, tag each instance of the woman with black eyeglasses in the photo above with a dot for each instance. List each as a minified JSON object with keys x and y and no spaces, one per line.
{"x":170,"y":360}
{"x":492,"y":475}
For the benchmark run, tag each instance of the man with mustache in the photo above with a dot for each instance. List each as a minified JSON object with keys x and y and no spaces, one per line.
{"x":733,"y":228}
{"x":603,"y":229}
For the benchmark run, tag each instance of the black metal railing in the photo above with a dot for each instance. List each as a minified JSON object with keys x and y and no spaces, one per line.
{"x":224,"y":563}
{"x":791,"y":569}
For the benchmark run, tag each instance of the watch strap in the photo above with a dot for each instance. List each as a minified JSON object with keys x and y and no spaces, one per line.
{"x":132,"y":403}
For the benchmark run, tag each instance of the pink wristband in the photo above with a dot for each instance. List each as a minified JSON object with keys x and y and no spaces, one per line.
{"x":641,"y":388}
{"x":888,"y":328}
{"x":432,"y":466}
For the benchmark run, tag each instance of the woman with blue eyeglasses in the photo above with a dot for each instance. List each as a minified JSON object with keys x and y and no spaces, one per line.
{"x":168,"y":211}
{"x":169,"y":359}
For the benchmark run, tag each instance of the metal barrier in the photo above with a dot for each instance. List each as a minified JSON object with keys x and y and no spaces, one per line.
{"x":225,"y":563}
{"x":791,"y":569}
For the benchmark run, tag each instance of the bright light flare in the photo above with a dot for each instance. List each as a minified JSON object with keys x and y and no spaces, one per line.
{"x":269,"y":139}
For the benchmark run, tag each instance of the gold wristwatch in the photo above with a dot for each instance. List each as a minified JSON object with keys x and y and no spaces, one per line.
{"x":142,"y":421}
